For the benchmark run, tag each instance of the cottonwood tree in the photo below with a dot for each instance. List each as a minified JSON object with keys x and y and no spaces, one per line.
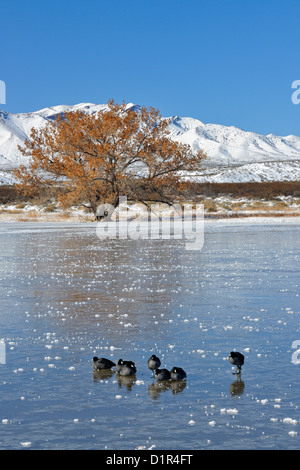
{"x":94,"y":159}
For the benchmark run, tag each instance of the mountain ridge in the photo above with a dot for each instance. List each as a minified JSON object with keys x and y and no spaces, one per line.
{"x":233,"y":154}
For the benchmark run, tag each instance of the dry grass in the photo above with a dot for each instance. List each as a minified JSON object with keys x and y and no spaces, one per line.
{"x":11,"y":215}
{"x":210,"y":205}
{"x":51,"y":208}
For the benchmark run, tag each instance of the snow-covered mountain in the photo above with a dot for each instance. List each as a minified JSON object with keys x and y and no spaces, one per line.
{"x":233,"y":155}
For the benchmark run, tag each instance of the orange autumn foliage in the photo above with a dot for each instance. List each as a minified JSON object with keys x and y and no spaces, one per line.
{"x":96,"y":159}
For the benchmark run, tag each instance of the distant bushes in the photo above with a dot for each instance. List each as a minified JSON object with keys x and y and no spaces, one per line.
{"x":265,"y":190}
{"x":10,"y":195}
{"x":188,"y":190}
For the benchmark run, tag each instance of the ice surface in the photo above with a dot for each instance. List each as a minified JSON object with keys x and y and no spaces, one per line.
{"x":66,"y":296}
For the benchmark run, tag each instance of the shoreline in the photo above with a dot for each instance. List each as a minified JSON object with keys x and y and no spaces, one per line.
{"x":219,"y":202}
{"x":214,"y":208}
{"x":67,"y":218}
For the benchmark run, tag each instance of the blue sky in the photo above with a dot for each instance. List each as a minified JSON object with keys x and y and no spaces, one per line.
{"x":227,"y":62}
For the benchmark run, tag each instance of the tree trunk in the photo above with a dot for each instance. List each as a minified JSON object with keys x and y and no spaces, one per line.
{"x":104,"y":211}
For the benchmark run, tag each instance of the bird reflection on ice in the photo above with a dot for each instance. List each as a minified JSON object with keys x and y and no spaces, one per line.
{"x":237,"y":387}
{"x":178,"y":386}
{"x":102,"y":374}
{"x":156,"y":388}
{"x":126,"y":381}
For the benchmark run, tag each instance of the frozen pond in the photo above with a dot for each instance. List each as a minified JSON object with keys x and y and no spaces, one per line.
{"x":66,"y":296}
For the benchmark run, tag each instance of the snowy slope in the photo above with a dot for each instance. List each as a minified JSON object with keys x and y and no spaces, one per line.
{"x":233,"y":154}
{"x":231,"y":145}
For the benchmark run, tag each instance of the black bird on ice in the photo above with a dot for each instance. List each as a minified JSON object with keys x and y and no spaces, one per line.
{"x":102,"y":363}
{"x":153,"y":363}
{"x":236,"y":359}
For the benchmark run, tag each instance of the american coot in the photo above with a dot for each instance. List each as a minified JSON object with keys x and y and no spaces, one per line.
{"x":162,"y":374}
{"x":153,"y":363}
{"x":102,"y":363}
{"x":126,"y":369}
{"x":122,"y":363}
{"x":236,"y":359}
{"x":177,"y":373}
